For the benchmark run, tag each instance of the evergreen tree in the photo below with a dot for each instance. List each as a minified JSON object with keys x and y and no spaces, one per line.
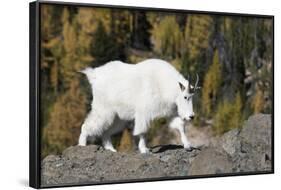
{"x":167,"y":37}
{"x":237,"y":50}
{"x":70,"y":57}
{"x":126,"y":141}
{"x":51,"y":53}
{"x":211,"y":85}
{"x":141,"y":31}
{"x":69,"y":107}
{"x":196,"y":48}
{"x":104,"y":47}
{"x":258,"y":102}
{"x":120,"y":32}
{"x":65,"y":121}
{"x":197,"y":34}
{"x":228,"y":115}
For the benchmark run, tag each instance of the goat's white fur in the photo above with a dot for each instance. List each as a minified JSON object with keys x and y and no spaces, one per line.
{"x":141,"y":92}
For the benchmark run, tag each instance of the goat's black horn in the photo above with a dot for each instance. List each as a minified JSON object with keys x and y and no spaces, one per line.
{"x":196,"y":83}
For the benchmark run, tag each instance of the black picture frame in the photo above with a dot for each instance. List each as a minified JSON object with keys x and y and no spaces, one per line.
{"x":34,"y":90}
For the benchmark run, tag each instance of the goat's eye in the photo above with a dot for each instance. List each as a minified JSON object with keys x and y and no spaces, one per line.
{"x":187,"y":98}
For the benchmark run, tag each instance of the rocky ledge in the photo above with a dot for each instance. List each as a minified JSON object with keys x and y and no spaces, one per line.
{"x":239,"y":150}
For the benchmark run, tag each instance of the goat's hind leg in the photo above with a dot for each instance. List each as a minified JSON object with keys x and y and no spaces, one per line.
{"x":82,"y":138}
{"x":85,"y":129}
{"x":117,"y":126}
{"x":94,"y":126}
{"x":107,"y":144}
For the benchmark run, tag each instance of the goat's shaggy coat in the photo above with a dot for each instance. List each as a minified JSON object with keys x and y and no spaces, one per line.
{"x":142,"y":92}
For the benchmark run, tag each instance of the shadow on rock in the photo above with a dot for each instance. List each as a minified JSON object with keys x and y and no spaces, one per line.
{"x":163,"y":148}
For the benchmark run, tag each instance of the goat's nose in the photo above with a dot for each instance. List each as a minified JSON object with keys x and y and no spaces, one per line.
{"x":191,"y":117}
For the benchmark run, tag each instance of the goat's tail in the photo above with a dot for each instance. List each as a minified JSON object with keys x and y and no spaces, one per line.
{"x":90,"y":73}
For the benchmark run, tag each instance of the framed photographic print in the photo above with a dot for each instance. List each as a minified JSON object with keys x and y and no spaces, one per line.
{"x":130,"y":94}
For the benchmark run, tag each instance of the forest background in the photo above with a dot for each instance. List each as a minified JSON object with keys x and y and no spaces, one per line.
{"x":231,"y":54}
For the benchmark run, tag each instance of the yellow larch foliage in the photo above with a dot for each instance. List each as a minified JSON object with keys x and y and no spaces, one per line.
{"x":197,"y":33}
{"x":167,"y":37}
{"x":258,"y":102}
{"x":228,"y":115}
{"x":126,"y":142}
{"x":211,"y":84}
{"x":87,"y":19}
{"x":66,"y":117}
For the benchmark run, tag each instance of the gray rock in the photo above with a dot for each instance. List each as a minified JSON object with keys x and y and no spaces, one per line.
{"x":230,"y":142}
{"x":210,"y":161}
{"x":246,"y":149}
{"x":255,"y":139}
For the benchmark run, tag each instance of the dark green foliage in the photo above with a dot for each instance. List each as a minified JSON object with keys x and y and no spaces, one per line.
{"x":104,"y":47}
{"x":141,"y":31}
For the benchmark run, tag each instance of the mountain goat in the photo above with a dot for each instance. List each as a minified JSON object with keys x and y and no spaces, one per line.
{"x":140,"y":93}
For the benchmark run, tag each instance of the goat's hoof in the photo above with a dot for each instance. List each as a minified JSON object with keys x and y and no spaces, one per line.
{"x":110,"y":149}
{"x":188,"y":147}
{"x":144,"y":151}
{"x":191,"y":148}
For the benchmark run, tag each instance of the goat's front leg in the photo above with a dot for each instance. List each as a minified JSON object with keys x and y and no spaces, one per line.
{"x":142,"y":145}
{"x":140,"y":129}
{"x":178,"y":123}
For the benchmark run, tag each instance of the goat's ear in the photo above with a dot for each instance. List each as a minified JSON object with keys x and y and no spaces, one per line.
{"x":182,"y":86}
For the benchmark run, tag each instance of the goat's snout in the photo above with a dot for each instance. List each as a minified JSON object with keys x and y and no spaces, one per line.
{"x":191,"y":117}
